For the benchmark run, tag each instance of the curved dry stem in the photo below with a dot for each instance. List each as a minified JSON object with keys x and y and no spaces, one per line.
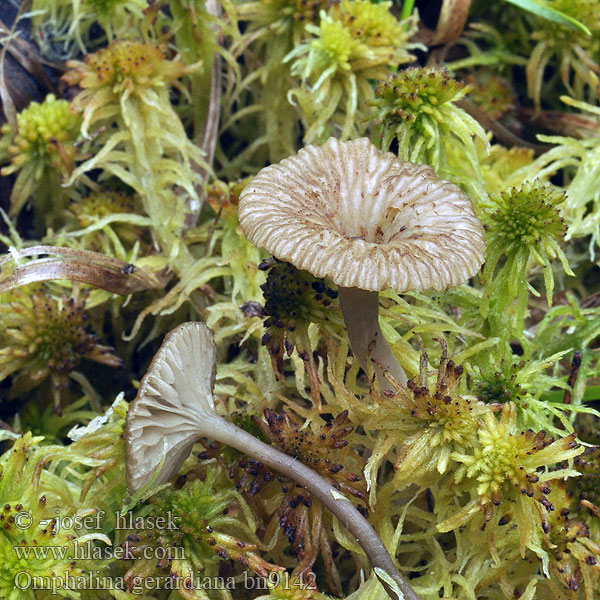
{"x":361,"y":315}
{"x":451,"y":22}
{"x":207,"y":138}
{"x":228,"y":433}
{"x":85,"y":266}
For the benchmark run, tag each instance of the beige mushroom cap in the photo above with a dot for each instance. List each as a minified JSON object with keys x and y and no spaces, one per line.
{"x":364,"y":219}
{"x":173,"y":407}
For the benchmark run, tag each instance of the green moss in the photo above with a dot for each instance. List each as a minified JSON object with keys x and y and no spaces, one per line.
{"x":523,"y":225}
{"x":472,"y":474}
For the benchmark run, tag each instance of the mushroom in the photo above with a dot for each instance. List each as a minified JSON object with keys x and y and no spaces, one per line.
{"x":368,"y":222}
{"x":174,"y":408}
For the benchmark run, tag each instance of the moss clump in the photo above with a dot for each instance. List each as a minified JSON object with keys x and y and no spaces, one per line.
{"x":45,"y":337}
{"x":42,"y":152}
{"x":127,"y":176}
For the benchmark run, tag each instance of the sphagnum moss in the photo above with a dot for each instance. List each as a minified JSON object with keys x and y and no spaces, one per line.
{"x":523,"y":226}
{"x":573,"y":52}
{"x":34,"y":502}
{"x":42,"y":153}
{"x":470,"y":475}
{"x":209,"y":523}
{"x":45,"y":338}
{"x":293,"y":300}
{"x":355,"y":42}
{"x":125,"y":97}
{"x":416,"y":108}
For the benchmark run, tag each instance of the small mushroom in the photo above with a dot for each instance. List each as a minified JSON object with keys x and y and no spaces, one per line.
{"x":367,"y":221}
{"x":174,"y":408}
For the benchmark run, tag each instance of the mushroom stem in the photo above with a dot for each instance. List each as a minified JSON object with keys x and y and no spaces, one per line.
{"x":228,"y":433}
{"x":361,"y":315}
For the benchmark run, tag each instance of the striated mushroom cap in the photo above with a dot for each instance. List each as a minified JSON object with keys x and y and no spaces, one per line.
{"x":173,"y":407}
{"x":364,"y":219}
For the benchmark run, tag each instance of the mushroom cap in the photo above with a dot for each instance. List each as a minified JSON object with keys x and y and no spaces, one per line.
{"x":363,"y":218}
{"x":173,"y":407}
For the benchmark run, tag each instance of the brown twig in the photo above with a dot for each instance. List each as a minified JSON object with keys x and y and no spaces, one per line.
{"x":207,"y":137}
{"x":450,"y":24}
{"x":503,"y":134}
{"x":72,"y":264}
